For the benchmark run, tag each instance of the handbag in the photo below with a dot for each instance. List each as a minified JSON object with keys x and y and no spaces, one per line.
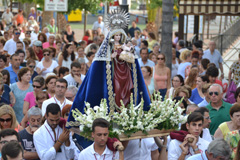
{"x":230,"y":96}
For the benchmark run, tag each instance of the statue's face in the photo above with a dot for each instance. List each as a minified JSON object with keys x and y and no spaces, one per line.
{"x":117,"y":37}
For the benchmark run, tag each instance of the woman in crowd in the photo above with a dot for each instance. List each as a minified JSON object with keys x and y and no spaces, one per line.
{"x":69,"y":35}
{"x":7,"y":95}
{"x":147,"y":76}
{"x":19,"y":18}
{"x":151,"y":40}
{"x":192,"y":78}
{"x":137,"y":34}
{"x":47,"y":65}
{"x":185,"y":57}
{"x":30,"y":54}
{"x":83,"y":70}
{"x":90,"y":57}
{"x":162,"y":75}
{"x":153,"y":57}
{"x":194,"y":62}
{"x":3,"y":61}
{"x":81,"y":54}
{"x":30,"y":99}
{"x":8,"y":118}
{"x":6,"y":77}
{"x":183,"y":91}
{"x":50,"y":85}
{"x":175,"y":63}
{"x":66,"y":111}
{"x":67,"y":57}
{"x":42,"y":37}
{"x":203,"y":66}
{"x":197,"y":94}
{"x":2,"y":43}
{"x":177,"y":81}
{"x":20,"y":89}
{"x":53,"y":53}
{"x":232,"y":125}
{"x":156,"y":48}
{"x":31,"y":64}
{"x":87,"y":35}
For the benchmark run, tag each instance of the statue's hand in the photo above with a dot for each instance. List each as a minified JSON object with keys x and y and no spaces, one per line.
{"x":114,"y":55}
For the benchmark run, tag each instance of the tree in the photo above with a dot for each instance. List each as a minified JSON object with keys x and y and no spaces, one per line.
{"x":167,"y":25}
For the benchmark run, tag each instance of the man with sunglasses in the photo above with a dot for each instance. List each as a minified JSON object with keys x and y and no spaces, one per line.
{"x":8,"y":135}
{"x":218,"y":109}
{"x":11,"y":45}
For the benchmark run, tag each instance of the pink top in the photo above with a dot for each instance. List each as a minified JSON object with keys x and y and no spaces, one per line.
{"x":30,"y":98}
{"x":161,"y":81}
{"x":46,"y":45}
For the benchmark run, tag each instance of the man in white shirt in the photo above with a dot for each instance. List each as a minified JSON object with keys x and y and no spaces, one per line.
{"x":99,"y":149}
{"x":75,"y":78}
{"x":192,"y":144}
{"x":59,"y":98}
{"x":7,"y":16}
{"x":34,"y":34}
{"x":98,"y":24}
{"x":51,"y":141}
{"x":11,"y":45}
{"x":144,"y":61}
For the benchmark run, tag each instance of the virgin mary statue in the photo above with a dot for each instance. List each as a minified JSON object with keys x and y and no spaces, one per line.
{"x":112,"y":76}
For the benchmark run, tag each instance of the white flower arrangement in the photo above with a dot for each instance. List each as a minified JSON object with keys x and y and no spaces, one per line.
{"x":162,"y":115}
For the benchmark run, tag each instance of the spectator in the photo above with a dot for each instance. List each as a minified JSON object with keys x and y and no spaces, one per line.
{"x":51,"y":27}
{"x":87,"y":35}
{"x":35,"y":33}
{"x":67,"y":57}
{"x":31,"y":66}
{"x":137,"y":34}
{"x":58,"y":47}
{"x":217,"y":149}
{"x":7,"y":16}
{"x":218,"y":109}
{"x":148,"y":79}
{"x":20,"y":89}
{"x":14,"y":68}
{"x":6,"y":136}
{"x":203,"y":66}
{"x":12,"y":151}
{"x":66,"y":111}
{"x":192,"y":78}
{"x":185,"y":58}
{"x":37,"y":47}
{"x":90,"y":57}
{"x":99,"y":149}
{"x":136,"y":48}
{"x":30,"y":54}
{"x":162,"y":75}
{"x":50,"y":42}
{"x":75,"y":78}
{"x":181,"y":46}
{"x":30,"y":99}
{"x":206,"y":122}
{"x":175,"y":40}
{"x":63,"y":71}
{"x":6,"y":77}
{"x":39,"y":19}
{"x":197,"y":94}
{"x":6,"y":95}
{"x":96,"y":42}
{"x":175,"y":63}
{"x":59,"y":98}
{"x":6,"y":35}
{"x":229,"y":126}
{"x":206,"y":98}
{"x":50,"y":82}
{"x":11,"y":45}
{"x":69,"y":35}
{"x":83,"y":70}
{"x":98,"y":24}
{"x":21,"y":54}
{"x":42,"y":37}
{"x":191,"y":108}
{"x":151,"y":40}
{"x":31,"y":23}
{"x":71,"y":93}
{"x":33,"y":13}
{"x":153,"y":57}
{"x":156,"y":48}
{"x":234,"y":72}
{"x":3,"y":61}
{"x":194,"y":62}
{"x":183,"y":92}
{"x":19,"y":18}
{"x":53,"y":53}
{"x":192,"y":143}
{"x":47,"y":65}
{"x":133,"y":29}
{"x":177,"y":81}
{"x":144,"y":61}
{"x":46,"y":31}
{"x":81,"y":54}
{"x":2,"y":43}
{"x":56,"y":143}
{"x":8,"y":118}
{"x":212,"y":73}
{"x":214,"y":56}
{"x":26,"y":136}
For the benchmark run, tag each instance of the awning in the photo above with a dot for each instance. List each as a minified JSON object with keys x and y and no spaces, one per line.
{"x":207,"y":7}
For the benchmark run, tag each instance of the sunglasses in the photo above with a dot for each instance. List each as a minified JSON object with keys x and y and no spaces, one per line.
{"x":211,"y":93}
{"x":17,"y":33}
{"x":31,"y":66}
{"x":46,"y":54}
{"x":160,"y":58}
{"x":36,"y":86}
{"x":5,"y":120}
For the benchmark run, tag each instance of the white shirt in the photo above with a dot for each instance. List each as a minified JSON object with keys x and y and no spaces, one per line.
{"x":174,"y":150}
{"x":149,"y":63}
{"x":71,"y":81}
{"x":11,"y":46}
{"x":90,"y":154}
{"x":34,"y":36}
{"x":7,"y":17}
{"x":206,"y":135}
{"x":53,"y":100}
{"x":97,"y":25}
{"x":44,"y":143}
{"x":140,"y":149}
{"x":49,"y":69}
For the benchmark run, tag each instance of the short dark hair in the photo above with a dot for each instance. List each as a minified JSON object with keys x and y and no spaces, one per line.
{"x":234,"y":108}
{"x":14,"y":55}
{"x":145,"y":43}
{"x":202,"y":110}
{"x":180,"y":78}
{"x":205,"y":63}
{"x":237,"y":93}
{"x":143,"y":49}
{"x":93,"y":46}
{"x":20,"y":51}
{"x":4,"y":58}
{"x":204,"y":78}
{"x":53,"y":108}
{"x":12,"y":149}
{"x":89,"y":54}
{"x":9,"y":132}
{"x":62,"y":70}
{"x":212,"y":71}
{"x":181,"y":43}
{"x":194,"y":117}
{"x":21,"y":72}
{"x":100,"y":122}
{"x":75,"y":64}
{"x":62,"y":80}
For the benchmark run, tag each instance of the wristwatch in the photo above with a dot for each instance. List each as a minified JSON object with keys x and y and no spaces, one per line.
{"x":196,"y":149}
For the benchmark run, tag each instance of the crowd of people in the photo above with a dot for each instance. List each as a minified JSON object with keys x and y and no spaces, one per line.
{"x":42,"y":70}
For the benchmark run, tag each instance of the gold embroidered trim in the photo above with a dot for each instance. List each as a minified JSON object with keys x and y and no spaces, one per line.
{"x":135,"y":82}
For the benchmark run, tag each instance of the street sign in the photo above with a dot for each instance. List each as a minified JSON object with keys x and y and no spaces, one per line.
{"x":56,"y":5}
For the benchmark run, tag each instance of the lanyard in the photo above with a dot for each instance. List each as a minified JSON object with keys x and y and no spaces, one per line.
{"x":60,"y":102}
{"x":51,"y":135}
{"x":103,"y":157}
